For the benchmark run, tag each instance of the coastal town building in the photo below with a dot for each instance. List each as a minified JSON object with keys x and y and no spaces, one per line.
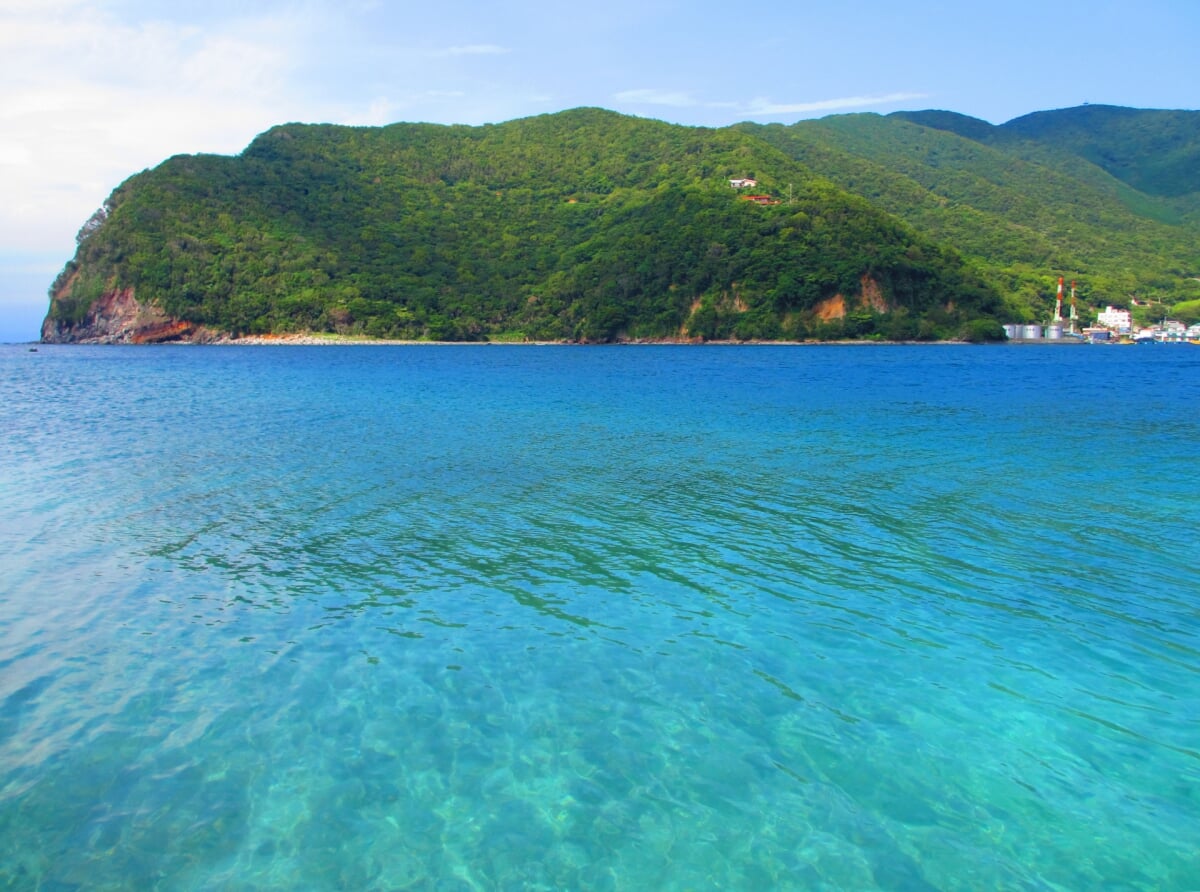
{"x":1118,"y":320}
{"x":1169,"y":331}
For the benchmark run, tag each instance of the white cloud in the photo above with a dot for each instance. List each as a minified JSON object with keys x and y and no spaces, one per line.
{"x":379,"y":111}
{"x":14,"y":154}
{"x":475,"y":49}
{"x":229,"y":64}
{"x":388,"y":109}
{"x":766,"y":107}
{"x":673,"y":98}
{"x":88,"y":100}
{"x":759,"y":107}
{"x":11,"y":6}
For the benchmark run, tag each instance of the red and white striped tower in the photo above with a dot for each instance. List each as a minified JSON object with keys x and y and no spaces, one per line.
{"x":1073,"y":316}
{"x":1058,"y":301}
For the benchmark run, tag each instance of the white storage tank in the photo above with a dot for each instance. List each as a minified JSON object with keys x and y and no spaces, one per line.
{"x":1054,"y":332}
{"x":1031,"y":332}
{"x":1012,"y":332}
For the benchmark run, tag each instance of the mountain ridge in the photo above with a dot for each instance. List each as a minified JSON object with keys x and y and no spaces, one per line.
{"x":593,"y":226}
{"x":1027,"y":209}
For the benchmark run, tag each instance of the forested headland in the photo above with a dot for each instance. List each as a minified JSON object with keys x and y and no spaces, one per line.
{"x":591,"y":226}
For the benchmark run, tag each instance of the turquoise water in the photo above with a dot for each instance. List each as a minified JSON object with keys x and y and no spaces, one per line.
{"x":900,"y":618}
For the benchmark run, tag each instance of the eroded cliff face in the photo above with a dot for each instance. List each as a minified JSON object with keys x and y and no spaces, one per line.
{"x":119,"y":318}
{"x":836,"y":307}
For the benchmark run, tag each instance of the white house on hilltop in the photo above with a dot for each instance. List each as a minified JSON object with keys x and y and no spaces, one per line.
{"x":743,"y":183}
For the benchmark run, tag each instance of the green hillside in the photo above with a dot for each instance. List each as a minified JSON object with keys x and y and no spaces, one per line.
{"x":953,"y":122}
{"x":594,"y":226}
{"x":1156,"y":151}
{"x":581,"y":225}
{"x":1023,"y":209}
{"x":1153,"y":152}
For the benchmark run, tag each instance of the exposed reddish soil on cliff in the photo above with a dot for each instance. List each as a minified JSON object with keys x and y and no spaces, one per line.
{"x":870,"y":297}
{"x":119,"y":318}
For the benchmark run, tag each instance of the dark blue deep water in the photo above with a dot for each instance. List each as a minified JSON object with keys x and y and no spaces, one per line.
{"x":639,"y":618}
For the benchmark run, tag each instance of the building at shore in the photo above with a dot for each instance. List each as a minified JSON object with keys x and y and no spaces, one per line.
{"x":1120,"y":321}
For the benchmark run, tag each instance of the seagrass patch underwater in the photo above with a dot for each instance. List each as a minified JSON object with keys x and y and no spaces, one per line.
{"x":599,"y":618}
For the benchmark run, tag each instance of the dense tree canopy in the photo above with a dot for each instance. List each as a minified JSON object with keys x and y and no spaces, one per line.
{"x":1109,"y":196}
{"x":595,"y":226}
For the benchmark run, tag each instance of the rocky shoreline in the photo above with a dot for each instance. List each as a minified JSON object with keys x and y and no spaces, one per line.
{"x":119,"y":318}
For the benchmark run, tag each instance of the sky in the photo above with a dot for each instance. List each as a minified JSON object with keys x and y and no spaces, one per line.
{"x":94,"y":91}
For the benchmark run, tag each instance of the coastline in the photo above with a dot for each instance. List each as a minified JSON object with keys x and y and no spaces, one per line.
{"x":311,"y":340}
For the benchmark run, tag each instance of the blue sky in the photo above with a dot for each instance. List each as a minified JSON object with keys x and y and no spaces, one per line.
{"x":92,"y":92}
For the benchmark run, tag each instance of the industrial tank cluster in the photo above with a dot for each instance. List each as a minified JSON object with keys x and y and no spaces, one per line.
{"x":1055,"y":331}
{"x":1052,"y":332}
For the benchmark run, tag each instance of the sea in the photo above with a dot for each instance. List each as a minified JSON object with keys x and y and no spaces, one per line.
{"x":600,"y":618}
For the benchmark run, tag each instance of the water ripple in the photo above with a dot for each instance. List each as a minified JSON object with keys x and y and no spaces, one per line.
{"x":386,"y":618}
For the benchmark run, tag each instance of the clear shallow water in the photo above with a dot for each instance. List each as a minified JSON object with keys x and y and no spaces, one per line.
{"x":629,"y":618}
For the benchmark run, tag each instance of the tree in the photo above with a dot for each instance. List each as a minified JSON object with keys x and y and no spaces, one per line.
{"x":94,"y":222}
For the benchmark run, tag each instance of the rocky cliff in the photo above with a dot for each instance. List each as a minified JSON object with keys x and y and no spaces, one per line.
{"x":117,"y":317}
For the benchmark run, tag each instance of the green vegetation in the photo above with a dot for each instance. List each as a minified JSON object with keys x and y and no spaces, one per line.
{"x":593,"y":226}
{"x":1155,"y":151}
{"x":1187,"y":312}
{"x":581,"y":225}
{"x":1108,"y":196}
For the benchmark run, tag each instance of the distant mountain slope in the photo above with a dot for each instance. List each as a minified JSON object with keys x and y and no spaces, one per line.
{"x":1155,"y":151}
{"x":581,"y":225}
{"x":952,"y":122}
{"x":1028,"y":210}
